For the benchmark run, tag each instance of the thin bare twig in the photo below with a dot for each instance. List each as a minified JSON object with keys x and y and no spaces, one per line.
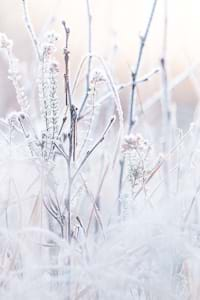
{"x":89,"y":14}
{"x":134,"y":74}
{"x":90,"y":121}
{"x":68,"y":102}
{"x":89,"y":152}
{"x":121,"y":87}
{"x":112,"y":87}
{"x":165,"y":104}
{"x":66,"y":75}
{"x":30,"y":29}
{"x":94,"y":207}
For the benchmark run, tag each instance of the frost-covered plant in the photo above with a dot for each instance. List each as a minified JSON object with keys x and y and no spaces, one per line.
{"x":83,"y":209}
{"x":47,"y":86}
{"x":14,"y":74}
{"x":136,"y":151}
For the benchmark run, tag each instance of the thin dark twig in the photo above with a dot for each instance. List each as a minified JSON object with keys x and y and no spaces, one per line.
{"x":66,"y":75}
{"x":136,"y":71}
{"x":89,"y":14}
{"x":81,"y":224}
{"x":63,"y":123}
{"x":68,"y":102}
{"x":134,"y":76}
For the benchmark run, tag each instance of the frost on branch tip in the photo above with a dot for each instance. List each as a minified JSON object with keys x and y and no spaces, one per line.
{"x":13,"y":71}
{"x":134,"y":142}
{"x":98,"y":76}
{"x":5,"y":43}
{"x":48,"y":47}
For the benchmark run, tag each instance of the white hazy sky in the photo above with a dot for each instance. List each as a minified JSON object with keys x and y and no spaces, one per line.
{"x":124,"y":18}
{"x":115,"y":22}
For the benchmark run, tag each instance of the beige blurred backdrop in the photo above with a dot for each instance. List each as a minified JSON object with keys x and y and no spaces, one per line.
{"x":117,"y":25}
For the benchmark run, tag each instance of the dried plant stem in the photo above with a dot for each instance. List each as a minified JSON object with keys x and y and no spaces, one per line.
{"x":120,"y":88}
{"x":116,"y":100}
{"x":63,"y":123}
{"x":90,"y":121}
{"x":89,"y":152}
{"x":166,"y":158}
{"x":68,"y":102}
{"x":165,"y":102}
{"x":194,"y":199}
{"x":136,"y":71}
{"x":68,"y":204}
{"x":115,"y":93}
{"x":166,"y":114}
{"x":94,"y":208}
{"x":66,"y":75}
{"x":112,"y":86}
{"x":89,"y":14}
{"x":134,"y":76}
{"x":31,"y":30}
{"x":78,"y":73}
{"x":98,"y":194}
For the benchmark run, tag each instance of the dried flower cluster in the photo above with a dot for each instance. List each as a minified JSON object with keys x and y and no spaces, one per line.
{"x":136,"y":151}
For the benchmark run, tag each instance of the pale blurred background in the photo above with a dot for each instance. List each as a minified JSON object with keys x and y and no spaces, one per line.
{"x":117,"y":25}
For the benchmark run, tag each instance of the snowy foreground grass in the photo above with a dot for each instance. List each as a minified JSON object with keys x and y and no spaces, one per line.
{"x":90,"y":209}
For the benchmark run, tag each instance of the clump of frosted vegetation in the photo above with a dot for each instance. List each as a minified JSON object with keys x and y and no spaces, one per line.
{"x":90,"y":210}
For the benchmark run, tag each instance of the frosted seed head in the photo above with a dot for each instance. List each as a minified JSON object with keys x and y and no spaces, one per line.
{"x":52,"y":37}
{"x":134,"y":142}
{"x":54,"y":66}
{"x":97,"y":76}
